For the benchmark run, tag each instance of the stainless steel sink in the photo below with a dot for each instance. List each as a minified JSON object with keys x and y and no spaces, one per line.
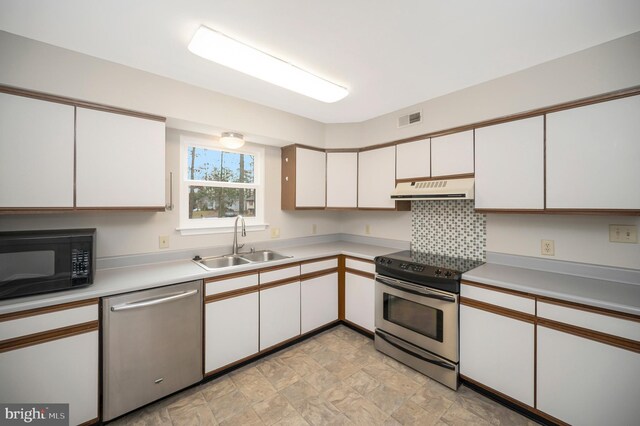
{"x":221,"y":262}
{"x":263,"y":256}
{"x":217,"y":262}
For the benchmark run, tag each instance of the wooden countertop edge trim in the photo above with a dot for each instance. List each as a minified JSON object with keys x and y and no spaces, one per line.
{"x":359,"y":259}
{"x":47,"y":309}
{"x":47,"y":336}
{"x":320,"y":259}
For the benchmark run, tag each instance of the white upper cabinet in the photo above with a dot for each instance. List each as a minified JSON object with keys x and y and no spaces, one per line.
{"x":377,"y":177}
{"x":593,"y":156}
{"x":509,"y":172}
{"x":119,"y":160}
{"x":413,"y":159}
{"x":452,"y":154}
{"x":342,"y":179}
{"x":36,"y":153}
{"x":310,"y":177}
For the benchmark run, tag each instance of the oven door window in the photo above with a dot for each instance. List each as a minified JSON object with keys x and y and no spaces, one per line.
{"x":413,"y":316}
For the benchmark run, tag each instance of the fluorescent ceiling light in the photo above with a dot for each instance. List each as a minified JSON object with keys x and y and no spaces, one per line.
{"x":231,"y":140}
{"x":226,"y":51}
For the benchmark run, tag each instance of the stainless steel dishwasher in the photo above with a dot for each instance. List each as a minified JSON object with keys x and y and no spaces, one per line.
{"x":152,"y":345}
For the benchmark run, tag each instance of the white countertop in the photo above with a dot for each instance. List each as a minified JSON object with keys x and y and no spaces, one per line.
{"x":132,"y":278}
{"x":618,"y":296}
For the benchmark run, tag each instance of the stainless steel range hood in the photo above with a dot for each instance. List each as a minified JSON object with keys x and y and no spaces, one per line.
{"x":448,"y":189}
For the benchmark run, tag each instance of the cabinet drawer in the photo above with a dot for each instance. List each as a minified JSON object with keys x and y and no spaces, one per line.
{"x":321,"y":265}
{"x":283,"y":273}
{"x":498,"y":298}
{"x":47,"y":319}
{"x":360,"y":265}
{"x":230,"y":283}
{"x":603,"y":323}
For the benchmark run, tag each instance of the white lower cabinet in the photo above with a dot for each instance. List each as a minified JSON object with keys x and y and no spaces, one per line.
{"x":50,"y":355}
{"x":279,"y":314}
{"x":498,"y":352}
{"x":318,"y":301}
{"x":584,"y":382}
{"x":360,"y":300}
{"x":231,"y":330}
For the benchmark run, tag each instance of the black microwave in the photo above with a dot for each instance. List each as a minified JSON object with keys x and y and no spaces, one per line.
{"x":33,"y":262}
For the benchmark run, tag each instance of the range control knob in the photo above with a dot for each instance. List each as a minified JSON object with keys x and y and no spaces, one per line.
{"x":438,"y":271}
{"x":447,"y":274}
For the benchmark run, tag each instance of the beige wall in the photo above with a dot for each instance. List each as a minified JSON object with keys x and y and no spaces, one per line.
{"x":608,"y":67}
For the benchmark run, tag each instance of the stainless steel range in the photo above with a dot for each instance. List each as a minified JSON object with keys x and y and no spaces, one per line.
{"x":417,"y":311}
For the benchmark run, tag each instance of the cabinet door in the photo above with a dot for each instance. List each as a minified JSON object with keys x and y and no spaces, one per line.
{"x":319,"y":301}
{"x":279,"y":314}
{"x":360,"y":301}
{"x":310,"y":177}
{"x":342,"y":179}
{"x":36,"y":153}
{"x":593,"y":156}
{"x":60,"y":371}
{"x":509,"y":169}
{"x":498,"y":351}
{"x":377,"y":177}
{"x":119,"y":160}
{"x":231,"y":330}
{"x":413,"y":159}
{"x":584,"y":382}
{"x":452,"y":154}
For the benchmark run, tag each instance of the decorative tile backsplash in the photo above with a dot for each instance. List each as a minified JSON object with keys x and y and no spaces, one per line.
{"x":450,"y":228}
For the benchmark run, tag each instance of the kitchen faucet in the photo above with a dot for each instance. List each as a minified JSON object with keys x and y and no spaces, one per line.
{"x":235,"y":234}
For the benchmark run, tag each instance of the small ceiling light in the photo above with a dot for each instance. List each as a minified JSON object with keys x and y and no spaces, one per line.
{"x":231,"y":53}
{"x":231,"y":140}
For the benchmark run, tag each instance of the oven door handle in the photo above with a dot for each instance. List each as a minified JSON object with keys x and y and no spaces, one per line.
{"x":442,"y":364}
{"x":415,"y":289}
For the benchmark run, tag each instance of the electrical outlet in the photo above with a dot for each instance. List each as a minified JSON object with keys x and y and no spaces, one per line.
{"x":275,"y":232}
{"x":163,"y":241}
{"x":548,"y":248}
{"x":623,"y":234}
{"x":367,"y":229}
{"x":314,"y":229}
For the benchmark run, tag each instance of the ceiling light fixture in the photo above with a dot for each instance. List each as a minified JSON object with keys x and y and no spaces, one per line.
{"x":217,"y":47}
{"x":231,"y":140}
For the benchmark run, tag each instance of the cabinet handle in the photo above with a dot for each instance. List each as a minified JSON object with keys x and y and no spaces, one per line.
{"x":170,"y":205}
{"x":286,"y":178}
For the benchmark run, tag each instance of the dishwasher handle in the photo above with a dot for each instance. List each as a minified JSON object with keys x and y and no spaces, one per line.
{"x":156,"y":301}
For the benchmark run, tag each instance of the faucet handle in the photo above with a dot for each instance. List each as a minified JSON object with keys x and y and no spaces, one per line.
{"x":240,"y":246}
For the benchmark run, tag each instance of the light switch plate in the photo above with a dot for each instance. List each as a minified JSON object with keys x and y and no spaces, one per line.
{"x":623,"y":234}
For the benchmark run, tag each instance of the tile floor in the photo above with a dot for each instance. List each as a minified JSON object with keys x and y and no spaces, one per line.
{"x":334,"y":378}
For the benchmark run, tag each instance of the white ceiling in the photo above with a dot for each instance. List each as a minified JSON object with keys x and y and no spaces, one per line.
{"x":389,"y":54}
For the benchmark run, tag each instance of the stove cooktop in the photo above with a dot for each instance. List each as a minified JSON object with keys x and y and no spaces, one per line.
{"x":428,"y":269}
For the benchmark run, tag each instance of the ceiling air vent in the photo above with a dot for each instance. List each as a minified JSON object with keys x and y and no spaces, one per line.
{"x":409,"y":119}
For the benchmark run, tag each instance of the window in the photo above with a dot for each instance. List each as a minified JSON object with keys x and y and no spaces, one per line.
{"x":217,"y":184}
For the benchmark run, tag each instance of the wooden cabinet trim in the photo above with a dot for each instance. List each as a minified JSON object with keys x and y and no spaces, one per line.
{"x":498,"y":289}
{"x":77,"y":103}
{"x":596,"y":336}
{"x":229,"y":276}
{"x":319,"y":259}
{"x":230,"y":294}
{"x":360,"y":273}
{"x":317,"y":274}
{"x":47,"y":336}
{"x":513,"y":401}
{"x":275,"y":268}
{"x":346,"y":256}
{"x":358,"y":328}
{"x":89,"y":422}
{"x":341,"y":287}
{"x":279,"y":283}
{"x":498,"y":310}
{"x":587,"y":308}
{"x":47,"y":309}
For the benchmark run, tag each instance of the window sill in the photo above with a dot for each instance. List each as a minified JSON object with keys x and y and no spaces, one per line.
{"x":219,"y":229}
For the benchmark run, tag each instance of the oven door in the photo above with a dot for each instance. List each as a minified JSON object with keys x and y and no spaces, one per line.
{"x":423,"y":316}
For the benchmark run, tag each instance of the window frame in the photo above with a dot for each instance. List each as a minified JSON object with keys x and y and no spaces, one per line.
{"x":219,"y":225}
